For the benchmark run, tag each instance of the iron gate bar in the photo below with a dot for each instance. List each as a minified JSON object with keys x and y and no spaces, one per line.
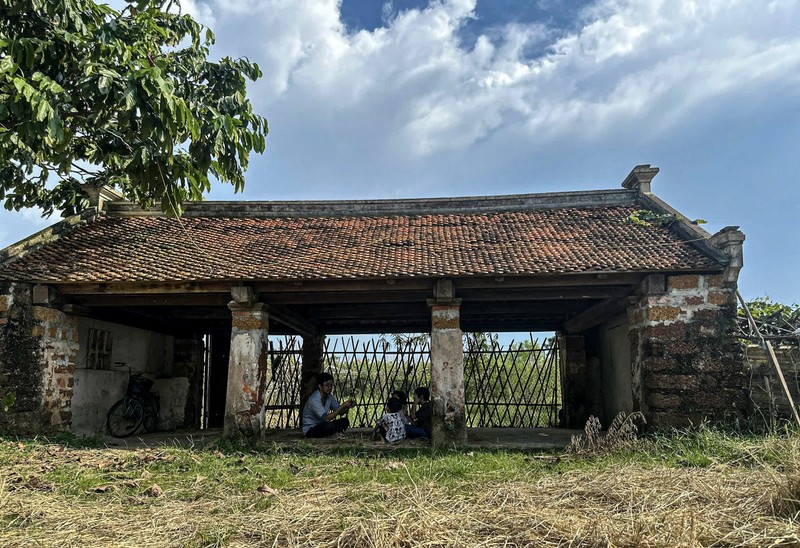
{"x":505,"y":386}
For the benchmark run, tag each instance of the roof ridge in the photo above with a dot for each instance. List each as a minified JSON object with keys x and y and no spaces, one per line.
{"x":402,"y":206}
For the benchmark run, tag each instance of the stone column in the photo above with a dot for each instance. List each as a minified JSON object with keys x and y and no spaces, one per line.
{"x":248,"y":369}
{"x":449,"y":426}
{"x":313,"y":350}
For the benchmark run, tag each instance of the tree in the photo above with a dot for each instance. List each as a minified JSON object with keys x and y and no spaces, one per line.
{"x":91,"y":95}
{"x":776,"y":321}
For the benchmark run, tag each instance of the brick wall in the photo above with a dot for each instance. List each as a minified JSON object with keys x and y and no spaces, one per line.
{"x":686,"y":364}
{"x":38,"y":351}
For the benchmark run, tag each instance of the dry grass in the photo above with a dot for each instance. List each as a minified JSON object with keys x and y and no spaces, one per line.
{"x":56,"y":496}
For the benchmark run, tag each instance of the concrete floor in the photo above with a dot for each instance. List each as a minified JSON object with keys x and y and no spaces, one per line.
{"x":485,"y":438}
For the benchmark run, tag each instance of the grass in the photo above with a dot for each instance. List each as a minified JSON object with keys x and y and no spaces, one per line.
{"x":699,"y":488}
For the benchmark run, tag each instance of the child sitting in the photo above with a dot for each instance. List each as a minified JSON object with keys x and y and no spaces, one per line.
{"x":391,"y":424}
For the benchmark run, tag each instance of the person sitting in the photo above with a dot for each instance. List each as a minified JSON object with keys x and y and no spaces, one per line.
{"x":322,"y":409}
{"x":420,"y":426}
{"x":391,"y":424}
{"x":400,"y":395}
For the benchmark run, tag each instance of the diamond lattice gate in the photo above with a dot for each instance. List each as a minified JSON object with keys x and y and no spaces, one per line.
{"x":507,"y":385}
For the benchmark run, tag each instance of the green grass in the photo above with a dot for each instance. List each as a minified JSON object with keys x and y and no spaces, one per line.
{"x":217,"y":486}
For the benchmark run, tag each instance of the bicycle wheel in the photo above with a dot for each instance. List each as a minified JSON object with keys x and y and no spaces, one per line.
{"x":150,"y":415}
{"x":125,"y":417}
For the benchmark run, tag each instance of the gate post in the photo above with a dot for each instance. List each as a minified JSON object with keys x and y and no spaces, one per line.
{"x":313,"y":353}
{"x":449,"y":425}
{"x":248,"y":365}
{"x":574,"y":380}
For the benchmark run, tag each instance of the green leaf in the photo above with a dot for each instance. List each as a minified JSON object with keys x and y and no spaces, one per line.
{"x":142,"y":98}
{"x":104,"y":84}
{"x":43,"y":110}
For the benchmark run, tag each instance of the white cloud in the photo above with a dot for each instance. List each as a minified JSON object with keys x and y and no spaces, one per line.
{"x":425,"y":93}
{"x":707,"y":89}
{"x":33,"y":215}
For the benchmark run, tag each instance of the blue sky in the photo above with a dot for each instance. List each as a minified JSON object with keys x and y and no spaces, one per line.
{"x":371,"y":99}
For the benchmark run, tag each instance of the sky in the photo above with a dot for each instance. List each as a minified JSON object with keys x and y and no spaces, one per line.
{"x":368,"y":99}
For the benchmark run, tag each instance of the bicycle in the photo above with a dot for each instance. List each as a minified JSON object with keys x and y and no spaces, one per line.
{"x":139,"y":407}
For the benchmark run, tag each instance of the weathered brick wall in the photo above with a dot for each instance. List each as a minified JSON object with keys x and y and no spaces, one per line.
{"x":38,"y":351}
{"x":765,"y":387}
{"x":58,"y":333}
{"x":686,"y":364}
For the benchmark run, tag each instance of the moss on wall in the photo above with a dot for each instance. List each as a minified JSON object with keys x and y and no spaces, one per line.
{"x":21,"y":369}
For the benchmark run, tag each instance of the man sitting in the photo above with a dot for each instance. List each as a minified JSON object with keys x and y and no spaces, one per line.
{"x":322,"y":408}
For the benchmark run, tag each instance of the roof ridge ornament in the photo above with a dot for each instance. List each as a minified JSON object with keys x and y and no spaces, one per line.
{"x":639,"y":178}
{"x":99,"y":195}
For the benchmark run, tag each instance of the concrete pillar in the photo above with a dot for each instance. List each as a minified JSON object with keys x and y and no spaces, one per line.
{"x":313,"y":354}
{"x":449,"y":425}
{"x":248,"y":369}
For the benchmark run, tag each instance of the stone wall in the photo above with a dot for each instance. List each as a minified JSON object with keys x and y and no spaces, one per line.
{"x":38,"y":352}
{"x":686,"y":363}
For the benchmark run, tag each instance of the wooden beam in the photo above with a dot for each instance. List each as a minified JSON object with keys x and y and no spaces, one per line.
{"x":293,"y":320}
{"x":144,"y":288}
{"x":330,"y":297}
{"x":597,"y":314}
{"x":537,"y":294}
{"x":187,"y":300}
{"x":582,"y":279}
{"x":424,"y":284}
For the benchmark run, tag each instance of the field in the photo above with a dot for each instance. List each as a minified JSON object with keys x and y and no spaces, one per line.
{"x":700,"y":488}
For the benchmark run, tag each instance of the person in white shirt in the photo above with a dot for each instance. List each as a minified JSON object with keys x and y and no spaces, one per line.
{"x":391,"y":424}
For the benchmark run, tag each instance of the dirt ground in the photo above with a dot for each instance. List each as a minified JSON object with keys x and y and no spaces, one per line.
{"x":483,"y":438}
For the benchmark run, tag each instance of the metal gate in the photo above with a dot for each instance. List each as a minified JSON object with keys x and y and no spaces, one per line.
{"x":515,"y":385}
{"x":512,"y":385}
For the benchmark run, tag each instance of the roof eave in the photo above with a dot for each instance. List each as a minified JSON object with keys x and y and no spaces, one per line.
{"x":46,"y":235}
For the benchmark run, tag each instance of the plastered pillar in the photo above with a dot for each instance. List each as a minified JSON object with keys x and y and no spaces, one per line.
{"x":248,"y":369}
{"x":449,"y":426}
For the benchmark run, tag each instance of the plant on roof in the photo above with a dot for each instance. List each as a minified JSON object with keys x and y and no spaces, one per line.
{"x":129,"y":99}
{"x":645,"y":217}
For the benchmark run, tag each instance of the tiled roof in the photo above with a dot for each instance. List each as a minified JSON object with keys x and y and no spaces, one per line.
{"x":541,"y":241}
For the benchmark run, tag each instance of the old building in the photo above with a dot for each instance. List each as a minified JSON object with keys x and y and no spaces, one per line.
{"x":644,"y":310}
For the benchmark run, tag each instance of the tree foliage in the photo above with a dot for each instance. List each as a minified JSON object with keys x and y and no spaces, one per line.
{"x":123,"y":98}
{"x":775,"y":321}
